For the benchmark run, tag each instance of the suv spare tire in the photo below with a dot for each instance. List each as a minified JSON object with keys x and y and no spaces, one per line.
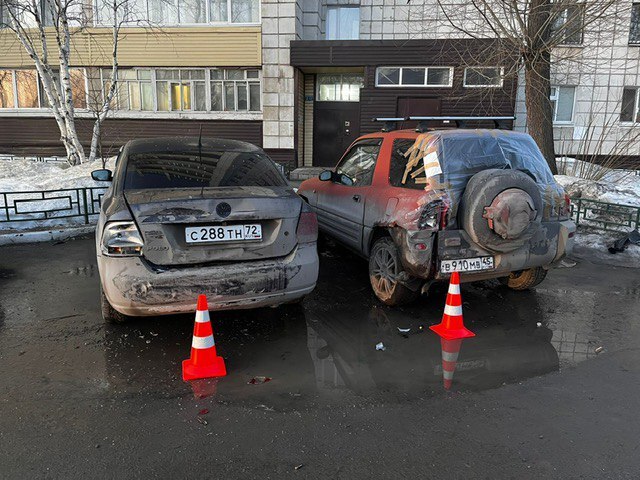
{"x":501,"y":209}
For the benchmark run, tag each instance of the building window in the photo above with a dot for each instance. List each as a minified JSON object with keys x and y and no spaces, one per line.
{"x":4,"y":17}
{"x":23,"y":89}
{"x":483,"y":77}
{"x":562,"y":102}
{"x":414,"y":76}
{"x":183,"y":12}
{"x":629,"y":112}
{"x":567,"y":26}
{"x":6,"y":89}
{"x":343,"y":23}
{"x":180,"y":90}
{"x":339,"y":88}
{"x":634,"y":29}
{"x":235,"y":90}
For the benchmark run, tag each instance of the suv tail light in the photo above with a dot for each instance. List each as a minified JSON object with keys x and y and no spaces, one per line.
{"x":565,"y":208}
{"x":121,"y":239}
{"x":434,"y":215}
{"x":307,"y":231}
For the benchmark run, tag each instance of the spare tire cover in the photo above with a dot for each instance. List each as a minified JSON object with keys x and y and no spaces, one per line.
{"x":480,"y":193}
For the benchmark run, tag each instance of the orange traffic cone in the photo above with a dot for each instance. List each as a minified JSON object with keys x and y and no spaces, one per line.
{"x":450,"y":351}
{"x":452,"y":327}
{"x":204,"y":362}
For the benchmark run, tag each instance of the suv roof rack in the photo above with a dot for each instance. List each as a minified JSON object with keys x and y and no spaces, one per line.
{"x":460,"y":122}
{"x":389,"y":122}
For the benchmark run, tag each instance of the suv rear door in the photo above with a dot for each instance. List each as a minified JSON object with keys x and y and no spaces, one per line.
{"x":340,"y":207}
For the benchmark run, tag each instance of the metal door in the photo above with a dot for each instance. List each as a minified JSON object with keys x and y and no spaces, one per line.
{"x":336,"y":125}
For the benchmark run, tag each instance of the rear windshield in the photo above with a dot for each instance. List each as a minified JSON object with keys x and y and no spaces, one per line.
{"x":465,"y":155}
{"x":212,"y":169}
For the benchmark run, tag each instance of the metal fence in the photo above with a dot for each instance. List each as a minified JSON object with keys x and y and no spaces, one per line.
{"x":605,"y":216}
{"x":81,"y":204}
{"x":46,"y":207}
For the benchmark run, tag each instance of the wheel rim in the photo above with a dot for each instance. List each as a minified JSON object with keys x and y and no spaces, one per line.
{"x":385,"y":271}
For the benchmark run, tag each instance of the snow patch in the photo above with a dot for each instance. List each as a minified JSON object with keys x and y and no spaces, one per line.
{"x":589,"y":243}
{"x":27,"y":175}
{"x":24,"y":175}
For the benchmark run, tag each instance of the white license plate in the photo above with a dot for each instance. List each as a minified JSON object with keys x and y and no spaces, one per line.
{"x":226,"y":233}
{"x":473,"y":264}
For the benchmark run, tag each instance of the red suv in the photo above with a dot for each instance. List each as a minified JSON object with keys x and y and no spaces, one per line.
{"x":420,"y":205}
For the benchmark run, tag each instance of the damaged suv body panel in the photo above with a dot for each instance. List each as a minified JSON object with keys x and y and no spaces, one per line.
{"x":451,"y":195}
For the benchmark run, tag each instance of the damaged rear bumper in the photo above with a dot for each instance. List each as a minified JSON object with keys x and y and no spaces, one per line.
{"x":135,"y":288}
{"x":552,"y":242}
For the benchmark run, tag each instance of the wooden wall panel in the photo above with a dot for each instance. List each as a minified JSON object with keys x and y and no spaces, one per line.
{"x":139,"y":47}
{"x":40,"y":136}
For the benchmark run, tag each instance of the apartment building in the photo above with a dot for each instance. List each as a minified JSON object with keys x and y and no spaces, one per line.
{"x":183,"y":65}
{"x":303,"y":78}
{"x":595,"y":74}
{"x":300,"y":78}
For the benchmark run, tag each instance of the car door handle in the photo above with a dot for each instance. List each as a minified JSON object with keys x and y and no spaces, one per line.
{"x":356,"y":198}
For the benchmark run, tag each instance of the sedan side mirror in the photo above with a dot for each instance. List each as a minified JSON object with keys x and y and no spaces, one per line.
{"x":102,"y":175}
{"x":325,"y":175}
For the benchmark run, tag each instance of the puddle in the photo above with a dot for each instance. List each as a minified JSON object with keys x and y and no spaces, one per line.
{"x":329,"y":350}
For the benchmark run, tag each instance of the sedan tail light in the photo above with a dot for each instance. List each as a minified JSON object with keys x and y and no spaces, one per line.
{"x":307,"y":231}
{"x":121,"y":239}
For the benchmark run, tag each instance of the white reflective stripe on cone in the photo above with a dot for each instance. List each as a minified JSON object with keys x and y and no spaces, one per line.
{"x":202,"y":316}
{"x":454,"y":289}
{"x":447,"y":375}
{"x":203,"y":342}
{"x":453,"y":311}
{"x":449,"y":356}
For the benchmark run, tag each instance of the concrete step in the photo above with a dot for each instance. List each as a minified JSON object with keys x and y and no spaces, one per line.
{"x":303,"y":173}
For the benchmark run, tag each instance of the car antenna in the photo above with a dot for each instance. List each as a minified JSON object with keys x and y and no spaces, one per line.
{"x":200,"y":157}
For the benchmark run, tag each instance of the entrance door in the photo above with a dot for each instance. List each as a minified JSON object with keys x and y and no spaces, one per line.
{"x":336,"y":125}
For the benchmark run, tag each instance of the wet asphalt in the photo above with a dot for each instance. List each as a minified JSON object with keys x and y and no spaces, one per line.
{"x":548,"y":388}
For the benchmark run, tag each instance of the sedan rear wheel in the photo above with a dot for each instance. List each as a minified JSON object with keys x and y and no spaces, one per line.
{"x":385,"y":269}
{"x":110,"y":314}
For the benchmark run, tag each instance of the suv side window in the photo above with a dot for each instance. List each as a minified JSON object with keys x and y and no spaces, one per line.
{"x":360,"y":162}
{"x":399,"y":164}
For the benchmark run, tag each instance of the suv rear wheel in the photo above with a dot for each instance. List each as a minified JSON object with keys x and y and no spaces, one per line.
{"x":385,"y":267}
{"x":524,"y":279}
{"x":110,"y":314}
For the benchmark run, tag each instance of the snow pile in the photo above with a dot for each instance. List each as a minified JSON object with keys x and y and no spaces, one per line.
{"x":625,"y":191}
{"x":27,"y":175}
{"x":615,"y":186}
{"x":589,"y":243}
{"x":24,"y":175}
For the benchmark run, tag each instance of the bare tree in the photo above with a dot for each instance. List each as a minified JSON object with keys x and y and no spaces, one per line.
{"x":44,"y":28}
{"x":538,"y":34}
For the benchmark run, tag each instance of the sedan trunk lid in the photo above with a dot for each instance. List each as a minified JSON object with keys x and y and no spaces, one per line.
{"x":163,"y":215}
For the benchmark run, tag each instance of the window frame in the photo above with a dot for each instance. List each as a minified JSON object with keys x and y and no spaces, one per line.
{"x":636,"y":105}
{"x":426,"y":76}
{"x":370,"y":140}
{"x":43,"y":103}
{"x":478,"y":67}
{"x":339,"y":7}
{"x":98,"y":22}
{"x":207,"y":80}
{"x":564,"y":14}
{"x":556,"y":98}
{"x":634,"y":42}
{"x":342,"y":75}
